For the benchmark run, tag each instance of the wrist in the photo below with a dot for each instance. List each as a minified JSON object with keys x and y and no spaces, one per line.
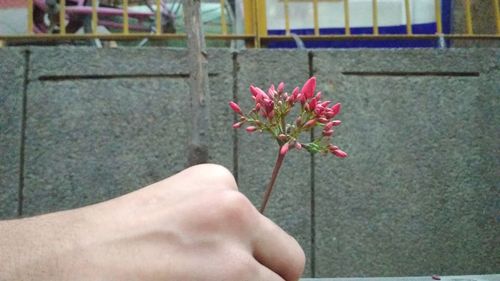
{"x":42,"y":247}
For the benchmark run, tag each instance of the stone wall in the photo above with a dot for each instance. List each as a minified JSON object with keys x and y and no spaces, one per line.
{"x":418,"y":194}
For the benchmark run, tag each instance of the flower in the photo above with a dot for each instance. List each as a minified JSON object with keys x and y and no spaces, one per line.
{"x":270,"y":115}
{"x":235,"y":107}
{"x":271,"y":110}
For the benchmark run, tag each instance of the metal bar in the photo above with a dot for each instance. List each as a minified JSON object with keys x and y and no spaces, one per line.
{"x":158,"y":17}
{"x":261,"y":20}
{"x":408,"y":17}
{"x":439,"y":23}
{"x":468,"y":17}
{"x":256,"y":24}
{"x":125,"y":16}
{"x":94,"y":16}
{"x":135,"y":36}
{"x":496,"y":6}
{"x":62,"y":16}
{"x":223,"y":17}
{"x":375,"y":16}
{"x":287,"y":18}
{"x":346,"y":17}
{"x":30,"y":17}
{"x":316,"y":20}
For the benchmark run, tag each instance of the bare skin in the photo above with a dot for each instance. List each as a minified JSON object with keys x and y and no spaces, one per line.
{"x":194,"y":225}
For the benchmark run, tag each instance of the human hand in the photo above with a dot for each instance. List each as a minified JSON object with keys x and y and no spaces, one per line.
{"x":194,"y":225}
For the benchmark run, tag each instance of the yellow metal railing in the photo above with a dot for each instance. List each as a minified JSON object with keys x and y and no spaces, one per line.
{"x":255,"y":24}
{"x":262,"y":35}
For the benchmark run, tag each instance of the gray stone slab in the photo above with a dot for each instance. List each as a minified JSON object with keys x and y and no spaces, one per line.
{"x":74,"y":61}
{"x":417,"y":194}
{"x":289,"y":205}
{"x":408,"y":60}
{"x":220,"y":66}
{"x":91,"y":140}
{"x":12,"y":66}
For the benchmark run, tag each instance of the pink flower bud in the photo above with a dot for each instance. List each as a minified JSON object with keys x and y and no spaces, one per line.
{"x":298,"y":146}
{"x":328,"y":126}
{"x":271,"y":91}
{"x":312,"y":104}
{"x":235,"y":107}
{"x":309,"y":87}
{"x":332,"y":147}
{"x":295,"y":92}
{"x":339,"y":153}
{"x":257,"y":92}
{"x":281,"y":87}
{"x":322,"y":120}
{"x":284,"y":149}
{"x":319,"y":110}
{"x":310,"y":123}
{"x":336,"y":108}
{"x":325,"y":103}
{"x":251,"y":129}
{"x":318,"y":96}
{"x":327,"y":133}
{"x":237,"y":125}
{"x":336,"y":122}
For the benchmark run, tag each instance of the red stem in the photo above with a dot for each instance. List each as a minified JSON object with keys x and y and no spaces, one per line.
{"x":269,"y":189}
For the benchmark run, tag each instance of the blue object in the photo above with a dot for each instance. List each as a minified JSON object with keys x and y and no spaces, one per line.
{"x":427,"y":28}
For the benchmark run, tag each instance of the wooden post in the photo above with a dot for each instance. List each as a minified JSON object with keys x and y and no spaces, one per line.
{"x":198,"y":84}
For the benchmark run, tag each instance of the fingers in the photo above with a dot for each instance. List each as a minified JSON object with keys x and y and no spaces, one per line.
{"x":278,"y":251}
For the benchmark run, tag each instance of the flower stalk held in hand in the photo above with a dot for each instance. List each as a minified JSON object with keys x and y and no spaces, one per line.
{"x":270,"y":114}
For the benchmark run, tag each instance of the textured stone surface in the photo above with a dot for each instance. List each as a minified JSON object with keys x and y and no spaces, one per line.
{"x":417,"y":194}
{"x":221,"y":83}
{"x":289,"y":205}
{"x":80,"y":61}
{"x":91,"y":140}
{"x":12,"y":68}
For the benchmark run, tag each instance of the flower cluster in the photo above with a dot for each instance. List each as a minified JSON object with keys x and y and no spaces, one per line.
{"x":272,"y":108}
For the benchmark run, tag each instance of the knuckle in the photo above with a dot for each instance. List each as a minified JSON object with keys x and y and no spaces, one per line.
{"x":217,"y":175}
{"x":235,"y":208}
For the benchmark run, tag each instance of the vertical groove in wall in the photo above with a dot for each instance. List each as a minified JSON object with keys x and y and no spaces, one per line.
{"x":313,"y":195}
{"x":235,"y":118}
{"x":20,"y":196}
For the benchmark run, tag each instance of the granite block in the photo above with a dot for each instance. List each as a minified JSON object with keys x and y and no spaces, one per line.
{"x":66,"y":61}
{"x":416,"y":61}
{"x":92,"y":140}
{"x":418,"y":193}
{"x":12,"y":68}
{"x":220,"y":67}
{"x":290,"y":203}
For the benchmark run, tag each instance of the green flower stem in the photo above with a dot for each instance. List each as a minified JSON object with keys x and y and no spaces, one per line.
{"x":269,"y":188}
